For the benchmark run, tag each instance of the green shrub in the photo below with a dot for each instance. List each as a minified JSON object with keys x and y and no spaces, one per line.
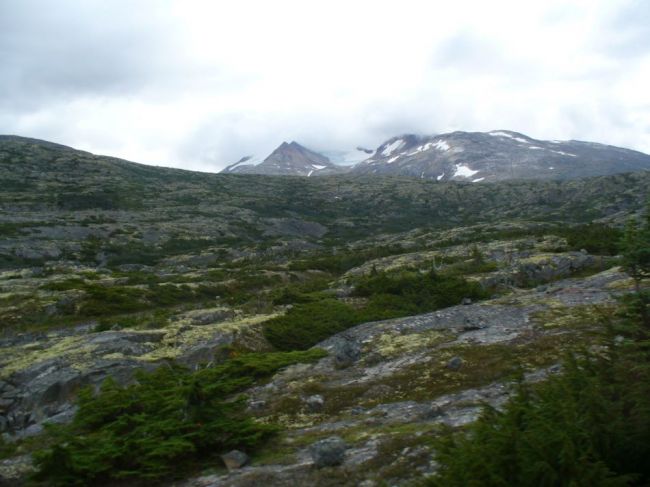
{"x":307,"y":324}
{"x":104,"y":300}
{"x":71,"y":283}
{"x":345,"y":260}
{"x":389,"y":296}
{"x":595,"y":238}
{"x":420,"y":292}
{"x":303,"y":292}
{"x":162,"y":426}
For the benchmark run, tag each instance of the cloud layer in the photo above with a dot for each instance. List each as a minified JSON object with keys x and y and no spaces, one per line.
{"x":199,"y":84}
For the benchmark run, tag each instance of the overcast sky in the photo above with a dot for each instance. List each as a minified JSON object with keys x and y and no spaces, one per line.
{"x":199,"y":84}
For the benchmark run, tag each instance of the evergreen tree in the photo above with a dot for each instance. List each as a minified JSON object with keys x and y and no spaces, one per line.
{"x":636,"y":261}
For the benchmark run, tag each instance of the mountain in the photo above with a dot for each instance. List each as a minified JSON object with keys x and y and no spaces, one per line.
{"x":497,"y":156}
{"x":289,"y":159}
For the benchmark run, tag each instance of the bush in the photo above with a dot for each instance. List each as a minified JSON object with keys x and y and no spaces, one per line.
{"x":307,"y":324}
{"x":345,"y":260}
{"x":418,"y":292}
{"x":161,"y":426}
{"x":595,"y":238}
{"x":389,"y":296}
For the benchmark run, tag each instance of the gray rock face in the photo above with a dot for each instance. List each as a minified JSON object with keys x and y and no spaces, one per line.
{"x":328,"y":452}
{"x":552,"y":268}
{"x":235,"y":459}
{"x":346,"y":352}
{"x":498,"y":155}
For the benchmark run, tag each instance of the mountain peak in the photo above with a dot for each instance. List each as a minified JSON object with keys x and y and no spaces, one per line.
{"x":290,"y":159}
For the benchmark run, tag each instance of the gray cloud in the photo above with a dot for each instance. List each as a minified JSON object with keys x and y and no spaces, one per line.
{"x":69,"y":49}
{"x":629,"y":31}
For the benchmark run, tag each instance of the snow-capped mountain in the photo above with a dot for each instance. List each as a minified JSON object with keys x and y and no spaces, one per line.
{"x":497,"y":155}
{"x":289,"y":159}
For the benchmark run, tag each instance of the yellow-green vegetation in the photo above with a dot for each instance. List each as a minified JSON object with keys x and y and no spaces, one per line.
{"x":394,"y":344}
{"x":179,"y":336}
{"x":575,"y":317}
{"x":73,"y":348}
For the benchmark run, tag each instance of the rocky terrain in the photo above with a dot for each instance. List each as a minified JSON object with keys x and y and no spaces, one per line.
{"x":388,"y":386}
{"x":108,"y":267}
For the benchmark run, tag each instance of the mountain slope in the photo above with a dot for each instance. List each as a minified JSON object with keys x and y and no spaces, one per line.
{"x":497,"y":156}
{"x":289,"y":159}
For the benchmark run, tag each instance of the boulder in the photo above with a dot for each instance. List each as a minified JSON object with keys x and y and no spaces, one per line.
{"x":235,"y":459}
{"x":314,"y":403}
{"x":346,"y":352}
{"x":455,"y":363}
{"x":328,"y":452}
{"x":431,"y":412}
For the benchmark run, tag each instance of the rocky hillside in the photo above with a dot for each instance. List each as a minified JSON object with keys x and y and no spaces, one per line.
{"x":359,"y":315}
{"x":289,"y":159}
{"x":497,"y":156}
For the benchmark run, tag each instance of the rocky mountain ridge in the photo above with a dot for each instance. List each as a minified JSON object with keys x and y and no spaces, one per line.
{"x":496,"y":156}
{"x":458,"y":156}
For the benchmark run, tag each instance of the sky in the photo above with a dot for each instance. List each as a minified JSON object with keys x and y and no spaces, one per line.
{"x":199,"y":84}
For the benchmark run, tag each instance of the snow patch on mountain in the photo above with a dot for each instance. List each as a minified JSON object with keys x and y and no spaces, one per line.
{"x":464,"y":171}
{"x":442,"y":146}
{"x":392,"y":147}
{"x":421,"y":148}
{"x":564,"y":153}
{"x":499,"y":133}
